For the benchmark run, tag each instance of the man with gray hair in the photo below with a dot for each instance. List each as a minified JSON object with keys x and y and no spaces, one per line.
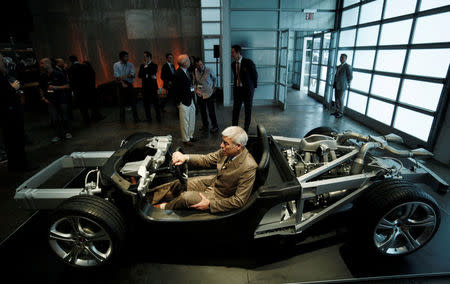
{"x":229,"y":189}
{"x":184,"y":99}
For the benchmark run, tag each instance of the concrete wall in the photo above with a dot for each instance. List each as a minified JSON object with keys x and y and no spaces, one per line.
{"x":98,"y":30}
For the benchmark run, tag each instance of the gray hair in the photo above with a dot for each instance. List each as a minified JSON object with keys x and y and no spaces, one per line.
{"x":183,"y":60}
{"x":236,"y":134}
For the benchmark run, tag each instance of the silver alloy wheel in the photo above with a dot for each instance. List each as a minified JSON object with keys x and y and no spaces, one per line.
{"x":405,"y":228}
{"x":80,"y":241}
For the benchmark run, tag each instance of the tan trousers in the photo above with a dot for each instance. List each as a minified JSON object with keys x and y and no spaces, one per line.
{"x":179,"y":197}
{"x":187,"y":121}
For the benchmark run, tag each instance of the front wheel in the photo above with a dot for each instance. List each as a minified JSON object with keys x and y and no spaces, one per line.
{"x":86,"y":231}
{"x":396,"y":218}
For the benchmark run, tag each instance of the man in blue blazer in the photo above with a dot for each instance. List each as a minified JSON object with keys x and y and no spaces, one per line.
{"x":341,"y":83}
{"x":245,"y":82}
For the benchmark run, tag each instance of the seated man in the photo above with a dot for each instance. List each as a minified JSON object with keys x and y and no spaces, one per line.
{"x":229,"y":189}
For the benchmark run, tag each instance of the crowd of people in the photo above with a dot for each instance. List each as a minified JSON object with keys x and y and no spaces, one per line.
{"x":189,"y":89}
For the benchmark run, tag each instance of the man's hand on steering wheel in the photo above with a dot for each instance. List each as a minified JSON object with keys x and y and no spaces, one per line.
{"x":179,"y":158}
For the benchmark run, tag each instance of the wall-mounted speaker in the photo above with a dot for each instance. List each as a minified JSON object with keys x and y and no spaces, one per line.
{"x":216,"y":51}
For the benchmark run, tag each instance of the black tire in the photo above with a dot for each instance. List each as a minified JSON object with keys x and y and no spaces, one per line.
{"x":323,"y":130}
{"x":395,"y":218}
{"x":86,"y":232}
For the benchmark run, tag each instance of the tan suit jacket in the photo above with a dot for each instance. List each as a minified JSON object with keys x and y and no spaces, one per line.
{"x":233,"y":184}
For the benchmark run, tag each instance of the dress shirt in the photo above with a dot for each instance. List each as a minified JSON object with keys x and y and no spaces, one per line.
{"x":124,"y":69}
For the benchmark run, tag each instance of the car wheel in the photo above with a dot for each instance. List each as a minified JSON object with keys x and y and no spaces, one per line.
{"x":396,"y":218}
{"x":323,"y":130}
{"x":86,"y":231}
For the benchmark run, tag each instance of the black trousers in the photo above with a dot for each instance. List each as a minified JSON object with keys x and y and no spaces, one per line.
{"x":13,"y":132}
{"x":209,"y":104}
{"x":127,"y":96}
{"x":339,"y":98}
{"x":83,"y":102}
{"x":242,"y":95}
{"x":150,"y":97}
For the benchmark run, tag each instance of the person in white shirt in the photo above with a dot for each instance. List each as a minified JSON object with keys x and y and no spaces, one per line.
{"x":124,"y":74}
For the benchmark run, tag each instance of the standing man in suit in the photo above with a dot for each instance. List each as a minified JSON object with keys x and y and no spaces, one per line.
{"x":11,"y":120}
{"x":229,"y":189}
{"x":168,"y":78}
{"x":245,"y":82}
{"x":78,"y":75}
{"x":184,"y":99}
{"x":341,"y":83}
{"x":124,"y":74}
{"x":147,"y":72}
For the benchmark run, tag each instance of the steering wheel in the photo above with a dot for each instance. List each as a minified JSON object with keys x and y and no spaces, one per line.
{"x":181,"y":171}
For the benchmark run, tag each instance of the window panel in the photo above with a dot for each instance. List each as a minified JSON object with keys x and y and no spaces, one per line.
{"x":380,"y":111}
{"x":315,"y":58}
{"x":325,"y":54}
{"x":211,"y":28}
{"x":323,"y":72}
{"x":371,"y":12}
{"x":209,"y":56}
{"x":432,"y":28}
{"x":430,"y":4}
{"x":414,"y":123}
{"x":361,"y":81}
{"x":347,"y":38}
{"x":312,"y":85}
{"x":326,"y":40}
{"x":395,"y":33}
{"x":316,"y":43}
{"x":210,"y":14}
{"x":314,"y":70}
{"x":210,"y":3}
{"x":364,"y":59}
{"x":428,"y":62}
{"x":322,"y":85}
{"x":384,"y":86}
{"x":422,"y":94}
{"x":350,"y":2}
{"x":357,"y":102}
{"x":367,"y":36}
{"x":390,"y":60}
{"x":349,"y":17}
{"x":208,"y":43}
{"x":395,"y":8}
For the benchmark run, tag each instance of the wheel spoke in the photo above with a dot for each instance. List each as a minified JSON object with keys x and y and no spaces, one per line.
{"x":386,"y":224}
{"x":93,"y":252}
{"x":99,"y":236}
{"x":430,"y":221}
{"x":58,"y":236}
{"x":75,"y":223}
{"x":409,"y":210}
{"x":72,"y":256}
{"x":388,"y":243}
{"x":411,"y":242}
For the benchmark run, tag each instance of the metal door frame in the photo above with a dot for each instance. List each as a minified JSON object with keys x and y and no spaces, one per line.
{"x":281,"y":100}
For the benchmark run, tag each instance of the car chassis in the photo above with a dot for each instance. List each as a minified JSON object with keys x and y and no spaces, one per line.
{"x":300,"y":181}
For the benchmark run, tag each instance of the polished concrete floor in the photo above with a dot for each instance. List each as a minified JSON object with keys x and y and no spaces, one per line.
{"x":324,"y":257}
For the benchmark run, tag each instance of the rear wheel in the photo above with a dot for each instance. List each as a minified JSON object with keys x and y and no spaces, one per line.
{"x":86,"y":231}
{"x":396,"y":218}
{"x":323,"y":130}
